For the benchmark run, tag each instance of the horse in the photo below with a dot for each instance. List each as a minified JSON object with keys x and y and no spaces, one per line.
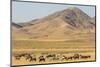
{"x":50,"y":55}
{"x":76,"y":56}
{"x":85,"y":57}
{"x":41,"y":58}
{"x":32,"y":59}
{"x":17,"y":57}
{"x":64,"y":58}
{"x":70,"y":58}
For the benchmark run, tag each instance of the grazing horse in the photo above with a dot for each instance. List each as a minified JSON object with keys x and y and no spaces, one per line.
{"x":18,"y":56}
{"x":70,"y":58}
{"x":76,"y":56}
{"x":27,"y":57}
{"x":30,"y":58}
{"x":55,"y":58}
{"x":51,"y":55}
{"x":64,"y":58}
{"x":22,"y":55}
{"x":85,"y":57}
{"x":41,"y":58}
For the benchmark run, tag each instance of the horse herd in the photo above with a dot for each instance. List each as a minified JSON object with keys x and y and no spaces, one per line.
{"x":51,"y":57}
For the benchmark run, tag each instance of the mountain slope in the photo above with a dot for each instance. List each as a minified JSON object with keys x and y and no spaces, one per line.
{"x":64,"y":24}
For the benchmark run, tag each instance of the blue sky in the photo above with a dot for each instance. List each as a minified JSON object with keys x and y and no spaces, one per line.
{"x":27,"y":11}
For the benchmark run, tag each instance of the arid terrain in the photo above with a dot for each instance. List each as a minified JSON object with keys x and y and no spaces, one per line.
{"x":64,"y":36}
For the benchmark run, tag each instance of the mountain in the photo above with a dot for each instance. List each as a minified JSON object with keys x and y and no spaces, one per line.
{"x":16,"y":25}
{"x":65,"y":24}
{"x":28,"y":23}
{"x":93,"y":20}
{"x":18,"y":32}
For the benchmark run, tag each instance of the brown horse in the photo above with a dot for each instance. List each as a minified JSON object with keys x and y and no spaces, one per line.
{"x":64,"y":58}
{"x":85,"y":57}
{"x":70,"y":58}
{"x":41,"y":58}
{"x":18,"y":56}
{"x":76,"y":56}
{"x":30,"y":58}
{"x":50,"y":55}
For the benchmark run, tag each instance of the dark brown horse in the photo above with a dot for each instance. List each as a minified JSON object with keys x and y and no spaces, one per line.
{"x":41,"y":58}
{"x":18,"y":56}
{"x":70,"y":58}
{"x":85,"y":57}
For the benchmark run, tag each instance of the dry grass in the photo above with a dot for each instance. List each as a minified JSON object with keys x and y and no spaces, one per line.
{"x":67,"y":48}
{"x":29,"y":44}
